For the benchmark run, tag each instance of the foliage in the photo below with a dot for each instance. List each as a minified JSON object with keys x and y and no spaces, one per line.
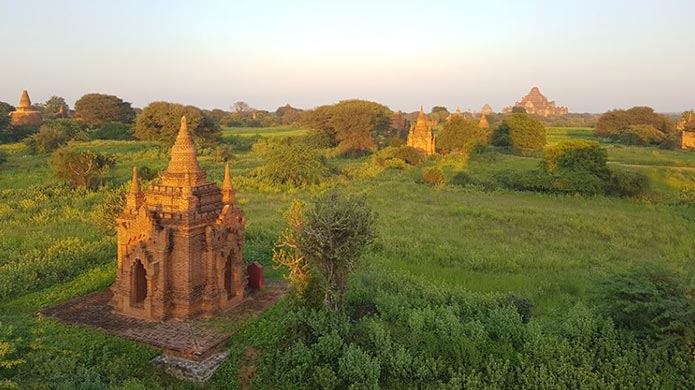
{"x":522,"y":132}
{"x":161,"y":121}
{"x":95,"y":109}
{"x":460,"y":134}
{"x":288,"y":115}
{"x":336,"y":230}
{"x":288,"y":255}
{"x":687,"y":121}
{"x":290,"y":162}
{"x":352,"y":125}
{"x":641,"y":135}
{"x":618,"y":125}
{"x":52,"y":135}
{"x":51,"y":108}
{"x":627,"y":183}
{"x":577,"y":155}
{"x":223,"y":153}
{"x":396,"y":157}
{"x":81,"y":168}
{"x":113,"y":130}
{"x":651,"y":301}
{"x":433,"y":176}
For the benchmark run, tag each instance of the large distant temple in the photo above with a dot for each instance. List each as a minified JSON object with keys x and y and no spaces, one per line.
{"x":421,"y":136}
{"x":537,"y":104}
{"x":179,"y":243}
{"x":26,"y":114}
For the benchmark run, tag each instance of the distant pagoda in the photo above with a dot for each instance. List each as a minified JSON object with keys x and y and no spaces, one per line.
{"x":180,"y":243}
{"x":421,"y":136}
{"x":26,"y":114}
{"x":537,"y":104}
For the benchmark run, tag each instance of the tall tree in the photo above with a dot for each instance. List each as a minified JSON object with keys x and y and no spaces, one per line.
{"x":96,"y":109}
{"x":52,"y":107}
{"x":459,"y":134}
{"x":242,"y":108}
{"x":160,"y":121}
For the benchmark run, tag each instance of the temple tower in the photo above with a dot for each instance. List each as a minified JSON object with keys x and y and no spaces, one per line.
{"x":26,"y":114}
{"x":421,"y":136}
{"x":179,"y":243}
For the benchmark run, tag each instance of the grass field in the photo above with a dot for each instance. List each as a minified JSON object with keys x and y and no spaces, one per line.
{"x":549,"y":249}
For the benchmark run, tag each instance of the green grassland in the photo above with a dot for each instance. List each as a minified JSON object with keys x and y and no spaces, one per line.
{"x":453,"y":241}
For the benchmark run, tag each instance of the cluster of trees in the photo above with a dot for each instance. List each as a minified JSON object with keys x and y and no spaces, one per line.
{"x":576,"y":166}
{"x":354,"y":127}
{"x":635,"y":126}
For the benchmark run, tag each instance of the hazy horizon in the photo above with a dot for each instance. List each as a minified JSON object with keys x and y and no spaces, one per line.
{"x":590,"y":57}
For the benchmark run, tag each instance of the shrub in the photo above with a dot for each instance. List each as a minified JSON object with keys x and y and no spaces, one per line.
{"x":536,"y":180}
{"x":433,"y":176}
{"x":81,"y":168}
{"x":627,"y":183}
{"x":521,"y":132}
{"x":641,"y":135}
{"x":576,"y":155}
{"x":459,"y":134}
{"x":389,"y":157}
{"x":113,"y":130}
{"x":613,"y":123}
{"x":652,"y":302}
{"x":52,"y":135}
{"x":161,"y":121}
{"x":95,"y":109}
{"x":335,"y":232}
{"x":223,"y":153}
{"x":288,"y":161}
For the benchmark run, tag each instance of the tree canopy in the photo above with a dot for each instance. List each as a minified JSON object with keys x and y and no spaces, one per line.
{"x":96,"y":109}
{"x":520,"y":131}
{"x":52,"y":107}
{"x":614,"y":123}
{"x":160,"y":121}
{"x":352,"y":124}
{"x":459,"y":133}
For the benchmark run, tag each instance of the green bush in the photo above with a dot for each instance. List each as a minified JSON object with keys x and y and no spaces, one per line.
{"x":113,"y":130}
{"x":627,"y":183}
{"x":288,"y":161}
{"x":652,"y":302}
{"x":613,"y":123}
{"x":433,"y":176}
{"x":223,"y":153}
{"x":641,"y":135}
{"x":52,"y":135}
{"x":521,"y":132}
{"x":459,"y":134}
{"x":576,"y":155}
{"x":84,"y":168}
{"x":397,"y":157}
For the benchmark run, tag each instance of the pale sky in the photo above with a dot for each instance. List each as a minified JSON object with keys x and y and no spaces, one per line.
{"x":588,"y":55}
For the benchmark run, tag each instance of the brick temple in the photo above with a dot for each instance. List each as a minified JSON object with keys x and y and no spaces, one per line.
{"x":25,"y":114}
{"x":421,"y":136}
{"x":180,"y":243}
{"x":537,"y":104}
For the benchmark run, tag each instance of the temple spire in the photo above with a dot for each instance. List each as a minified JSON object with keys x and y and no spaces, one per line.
{"x":24,"y":101}
{"x":228,"y":192}
{"x":135,"y":184}
{"x":184,"y":159}
{"x":421,"y":116}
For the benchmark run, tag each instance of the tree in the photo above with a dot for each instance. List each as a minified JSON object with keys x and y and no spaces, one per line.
{"x":458,"y":134}
{"x":613,"y":123}
{"x":52,"y":107}
{"x":520,"y":131}
{"x":577,"y":155}
{"x":439,"y":113}
{"x":518,"y":110}
{"x":52,"y":134}
{"x":357,"y":123}
{"x":161,"y":121}
{"x":337,"y":229}
{"x":290,"y":161}
{"x":288,"y":115}
{"x":81,"y":168}
{"x":96,"y":109}
{"x":242,"y":108}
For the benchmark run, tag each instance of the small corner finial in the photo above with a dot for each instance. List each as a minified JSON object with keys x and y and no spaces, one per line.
{"x":227,"y":183}
{"x":135,"y":184}
{"x":184,"y":123}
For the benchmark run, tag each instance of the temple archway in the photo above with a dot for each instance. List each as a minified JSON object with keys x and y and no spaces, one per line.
{"x":139,"y":290}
